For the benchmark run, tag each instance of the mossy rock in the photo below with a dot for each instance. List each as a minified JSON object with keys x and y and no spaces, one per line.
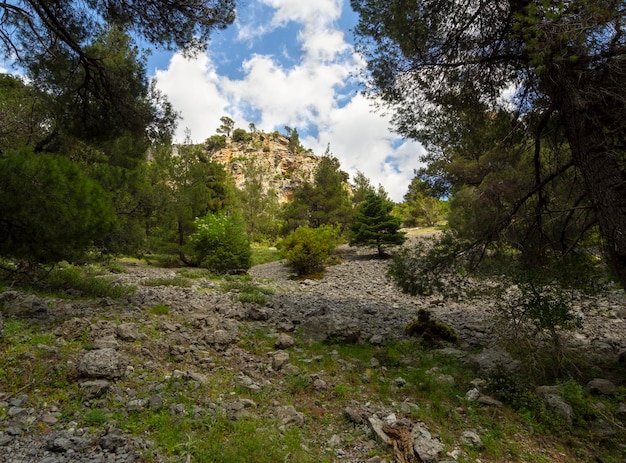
{"x":430,"y":332}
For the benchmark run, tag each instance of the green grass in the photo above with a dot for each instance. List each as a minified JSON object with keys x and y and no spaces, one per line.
{"x":262,"y":254}
{"x":248,"y":290}
{"x":160,"y":309}
{"x":84,"y":281}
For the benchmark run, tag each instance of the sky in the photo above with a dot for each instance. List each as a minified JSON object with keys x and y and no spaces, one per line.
{"x":289,"y":63}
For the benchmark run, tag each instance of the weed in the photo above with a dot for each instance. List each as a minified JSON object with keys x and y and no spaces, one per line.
{"x":160,"y":309}
{"x":247,"y":289}
{"x":95,"y":417}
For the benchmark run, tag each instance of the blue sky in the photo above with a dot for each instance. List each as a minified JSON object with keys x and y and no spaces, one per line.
{"x":289,"y":62}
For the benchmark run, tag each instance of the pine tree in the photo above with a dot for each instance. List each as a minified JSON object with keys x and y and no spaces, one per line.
{"x":374,"y":226}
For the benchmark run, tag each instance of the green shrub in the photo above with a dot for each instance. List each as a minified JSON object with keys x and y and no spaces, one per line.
{"x":307,"y":249}
{"x":241,"y":135}
{"x":77,"y":280}
{"x":220,"y":243}
{"x":215,"y":142}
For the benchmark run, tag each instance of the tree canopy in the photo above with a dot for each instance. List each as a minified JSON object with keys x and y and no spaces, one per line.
{"x":562,"y":61}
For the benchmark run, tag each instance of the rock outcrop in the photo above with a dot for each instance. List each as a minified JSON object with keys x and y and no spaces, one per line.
{"x":281,"y":169}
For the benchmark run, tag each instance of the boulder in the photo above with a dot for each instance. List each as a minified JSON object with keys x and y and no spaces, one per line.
{"x":601,"y":387}
{"x":103,"y":363}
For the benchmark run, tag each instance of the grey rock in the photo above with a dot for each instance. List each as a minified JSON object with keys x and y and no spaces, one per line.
{"x":16,"y":411}
{"x":221,"y":339}
{"x":103,"y":363}
{"x":155,"y":402}
{"x":198,"y":377}
{"x":376,"y":425}
{"x":558,"y":405}
{"x":288,"y":415}
{"x":94,"y":389}
{"x":112,"y":441}
{"x":284,"y":341}
{"x":489,"y":359}
{"x":279,"y":360}
{"x":602,"y":429}
{"x":355,"y":416}
{"x":5,"y":439}
{"x":471,"y":439}
{"x":137,"y":405}
{"x":602,"y":387}
{"x":127,"y":332}
{"x":106,"y":342}
{"x":427,"y":448}
{"x":258,"y":313}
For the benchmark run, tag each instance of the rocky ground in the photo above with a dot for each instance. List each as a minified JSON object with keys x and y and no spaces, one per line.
{"x":354,"y":302}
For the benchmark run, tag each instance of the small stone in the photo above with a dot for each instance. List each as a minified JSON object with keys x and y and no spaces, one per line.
{"x":106,"y":342}
{"x":49,"y":418}
{"x":279,"y":359}
{"x":16,"y":411}
{"x":354,"y":415}
{"x":155,"y":402}
{"x":290,"y":369}
{"x":137,"y":405}
{"x":198,"y":377}
{"x":94,"y":389}
{"x":5,"y":440}
{"x":284,"y":341}
{"x":127,"y":332}
{"x":288,"y":415}
{"x":471,"y":439}
{"x":320,"y":385}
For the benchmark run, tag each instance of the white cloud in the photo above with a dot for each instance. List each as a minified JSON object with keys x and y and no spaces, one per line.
{"x":193,"y":88}
{"x":305,"y":12}
{"x":362,"y":141}
{"x":306,"y":94}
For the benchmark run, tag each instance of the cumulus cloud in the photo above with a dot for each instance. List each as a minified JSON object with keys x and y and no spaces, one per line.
{"x":317,"y":91}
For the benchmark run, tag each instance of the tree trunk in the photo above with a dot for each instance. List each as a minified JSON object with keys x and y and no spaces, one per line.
{"x":605,"y":181}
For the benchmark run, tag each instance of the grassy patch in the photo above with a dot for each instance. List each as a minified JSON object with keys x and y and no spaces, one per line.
{"x":248,"y":290}
{"x":264,"y":254}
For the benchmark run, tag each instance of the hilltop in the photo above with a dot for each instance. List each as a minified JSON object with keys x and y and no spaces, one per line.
{"x":281,"y":165}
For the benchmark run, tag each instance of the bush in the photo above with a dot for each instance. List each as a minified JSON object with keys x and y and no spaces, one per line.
{"x":307,"y":249}
{"x":215,"y":142}
{"x":220,"y":243}
{"x":241,"y":135}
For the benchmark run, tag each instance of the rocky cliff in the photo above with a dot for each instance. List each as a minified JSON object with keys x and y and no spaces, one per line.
{"x":268,"y":155}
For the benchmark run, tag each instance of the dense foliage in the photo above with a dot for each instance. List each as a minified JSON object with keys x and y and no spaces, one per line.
{"x":307,"y":249}
{"x":220,"y":243}
{"x":536,"y":171}
{"x":325,"y":201}
{"x":50,"y":210}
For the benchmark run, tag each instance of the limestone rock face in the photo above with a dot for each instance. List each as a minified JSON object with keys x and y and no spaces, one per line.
{"x":282,"y":170}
